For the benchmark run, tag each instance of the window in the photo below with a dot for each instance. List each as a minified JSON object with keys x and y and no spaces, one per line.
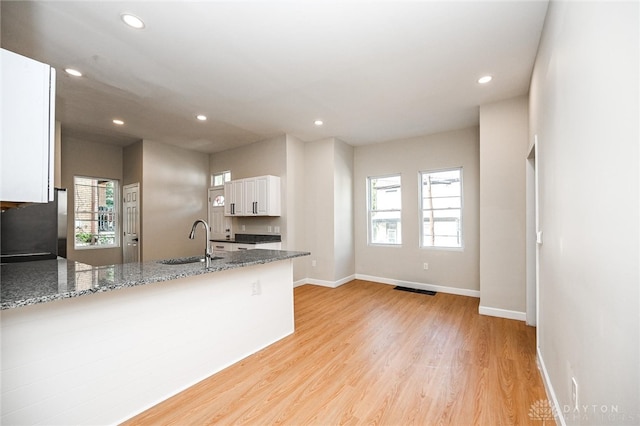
{"x":95,"y":212}
{"x":441,"y":204}
{"x":218,"y":179}
{"x":385,"y":205}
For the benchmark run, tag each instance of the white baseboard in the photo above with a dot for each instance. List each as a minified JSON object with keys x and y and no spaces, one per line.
{"x":551,"y":395}
{"x":502,"y":313}
{"x":421,"y":286}
{"x":323,"y":283}
{"x":300,"y":282}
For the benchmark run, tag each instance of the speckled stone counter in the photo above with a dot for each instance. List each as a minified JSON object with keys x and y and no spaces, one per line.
{"x":30,"y":283}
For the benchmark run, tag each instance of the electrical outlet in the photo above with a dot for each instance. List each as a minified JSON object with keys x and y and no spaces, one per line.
{"x":313,"y":263}
{"x":425,"y":266}
{"x":276,"y":229}
{"x":269,"y":229}
{"x":243,"y":228}
{"x":256,"y":290}
{"x":574,"y":393}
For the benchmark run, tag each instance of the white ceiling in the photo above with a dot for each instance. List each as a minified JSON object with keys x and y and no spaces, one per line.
{"x":372,"y":71}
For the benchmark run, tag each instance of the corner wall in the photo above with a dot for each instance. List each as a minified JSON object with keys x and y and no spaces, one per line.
{"x":584,"y":108}
{"x":92,"y":159}
{"x":174,"y":194}
{"x":503,"y":151}
{"x":294,"y":201}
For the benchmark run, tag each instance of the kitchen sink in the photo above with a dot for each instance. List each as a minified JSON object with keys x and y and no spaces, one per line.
{"x":187,"y":260}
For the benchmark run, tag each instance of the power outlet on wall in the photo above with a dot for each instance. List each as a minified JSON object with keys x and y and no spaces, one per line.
{"x":256,"y":289}
{"x":425,"y":266}
{"x":574,"y":393}
{"x":313,"y":263}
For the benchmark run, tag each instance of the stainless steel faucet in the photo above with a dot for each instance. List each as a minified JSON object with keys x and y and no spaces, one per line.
{"x":207,"y":251}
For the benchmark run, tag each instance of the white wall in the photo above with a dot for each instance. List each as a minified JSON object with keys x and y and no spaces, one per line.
{"x":456,"y":269}
{"x":174,"y":195}
{"x":92,"y":159}
{"x":584,"y":109}
{"x":503,"y":150}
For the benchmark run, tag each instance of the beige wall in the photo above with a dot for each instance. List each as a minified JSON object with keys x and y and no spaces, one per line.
{"x":132,"y":163}
{"x":318,"y":208}
{"x":503,"y":150}
{"x":294,"y":201}
{"x":457,"y":269}
{"x":84,"y":158}
{"x":174,"y":195}
{"x":584,"y":110}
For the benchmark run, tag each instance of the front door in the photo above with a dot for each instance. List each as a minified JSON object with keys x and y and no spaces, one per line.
{"x":131,"y":223}
{"x":219,"y":223}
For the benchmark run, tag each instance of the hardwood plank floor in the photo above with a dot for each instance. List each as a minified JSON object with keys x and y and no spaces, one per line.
{"x":365,"y":353}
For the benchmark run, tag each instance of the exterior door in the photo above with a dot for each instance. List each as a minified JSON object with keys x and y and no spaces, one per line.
{"x":131,"y":223}
{"x":219,"y":223}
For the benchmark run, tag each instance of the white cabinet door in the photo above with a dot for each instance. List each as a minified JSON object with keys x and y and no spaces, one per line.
{"x":28,"y":129}
{"x":266,"y":196}
{"x":250,"y":196}
{"x":269,"y":246}
{"x":263,"y":205}
{"x":234,"y":198}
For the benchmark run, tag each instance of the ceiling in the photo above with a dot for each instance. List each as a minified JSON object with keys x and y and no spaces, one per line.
{"x":371,"y":71}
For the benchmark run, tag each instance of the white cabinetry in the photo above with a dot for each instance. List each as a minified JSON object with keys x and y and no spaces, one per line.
{"x":28,"y":129}
{"x":234,"y":204}
{"x":218,"y":246}
{"x":258,"y":196}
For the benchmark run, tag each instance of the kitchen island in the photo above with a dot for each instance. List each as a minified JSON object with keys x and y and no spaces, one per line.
{"x":97,"y":345}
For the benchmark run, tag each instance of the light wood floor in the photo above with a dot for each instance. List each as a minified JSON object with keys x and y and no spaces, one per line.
{"x":365,"y":353}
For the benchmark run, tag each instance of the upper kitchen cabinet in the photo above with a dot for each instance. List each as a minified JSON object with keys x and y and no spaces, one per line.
{"x":234,"y":198}
{"x":28,"y":129}
{"x":257,"y":196}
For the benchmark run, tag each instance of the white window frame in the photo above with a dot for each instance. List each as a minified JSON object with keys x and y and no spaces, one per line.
{"x":115,"y":214}
{"x":422,"y":209}
{"x":225,"y":177}
{"x":371,"y":212}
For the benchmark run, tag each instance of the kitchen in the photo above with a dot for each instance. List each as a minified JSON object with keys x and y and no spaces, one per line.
{"x":328,"y":174}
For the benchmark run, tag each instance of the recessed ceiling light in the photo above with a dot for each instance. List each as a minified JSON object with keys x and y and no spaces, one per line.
{"x":118,"y":122}
{"x":201,"y":117}
{"x":73,"y":72}
{"x":132,"y":21}
{"x":485,"y":79}
{"x":318,"y":123}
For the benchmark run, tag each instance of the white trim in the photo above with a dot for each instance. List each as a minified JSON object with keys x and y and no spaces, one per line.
{"x":299,"y":282}
{"x":502,"y":313}
{"x":421,"y":286}
{"x":331,"y":284}
{"x":551,"y":395}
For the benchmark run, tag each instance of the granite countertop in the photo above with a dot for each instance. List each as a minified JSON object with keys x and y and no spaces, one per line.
{"x":29,"y":283}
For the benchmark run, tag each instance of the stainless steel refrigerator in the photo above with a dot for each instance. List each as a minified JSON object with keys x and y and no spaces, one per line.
{"x":35,"y":231}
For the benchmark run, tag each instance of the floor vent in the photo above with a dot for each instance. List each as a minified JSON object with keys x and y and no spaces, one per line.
{"x":415,"y":290}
